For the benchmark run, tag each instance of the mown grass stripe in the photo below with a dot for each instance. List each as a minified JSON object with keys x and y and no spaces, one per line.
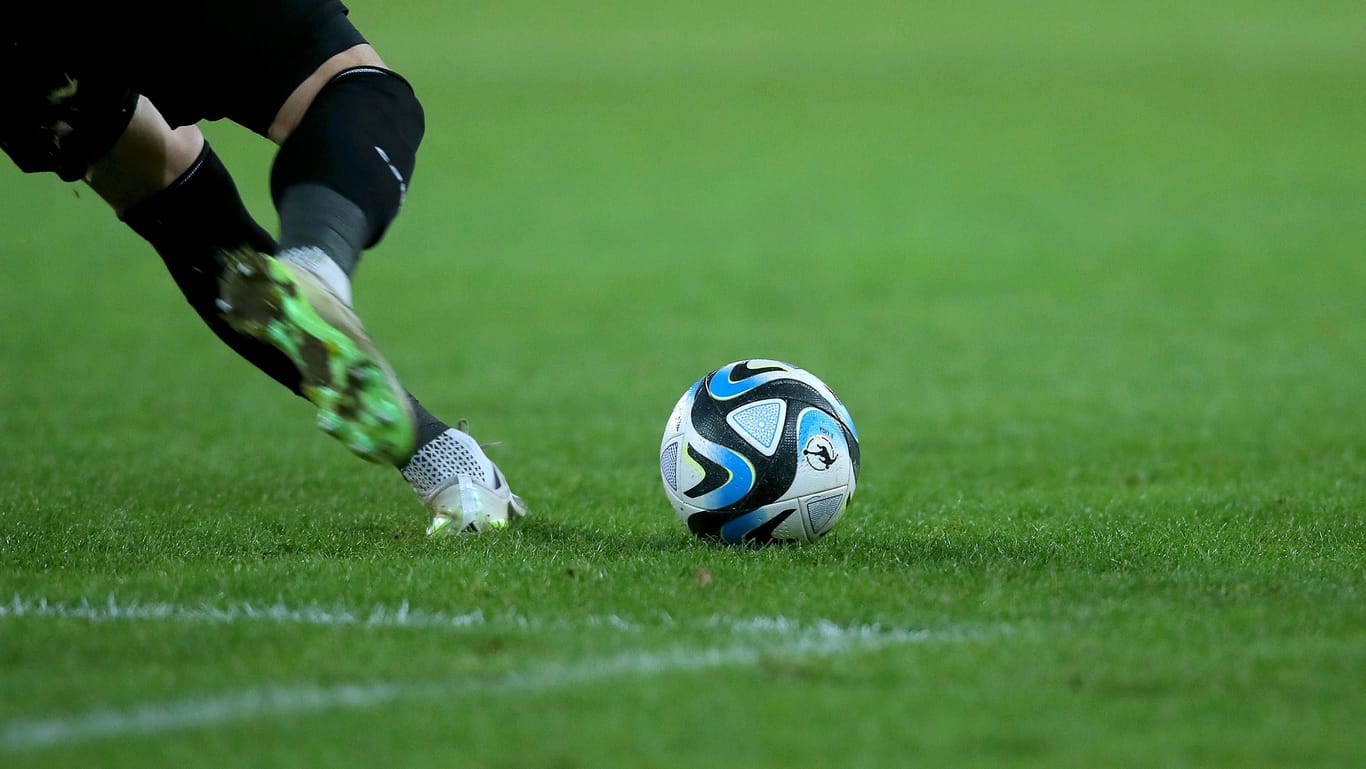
{"x":159,"y":717}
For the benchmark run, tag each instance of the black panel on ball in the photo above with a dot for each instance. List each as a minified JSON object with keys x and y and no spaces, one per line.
{"x":714,"y":476}
{"x":743,"y":371}
{"x":708,"y":526}
{"x":763,"y":535}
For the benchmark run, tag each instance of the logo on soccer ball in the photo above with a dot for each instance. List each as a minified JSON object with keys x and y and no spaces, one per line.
{"x":820,"y":453}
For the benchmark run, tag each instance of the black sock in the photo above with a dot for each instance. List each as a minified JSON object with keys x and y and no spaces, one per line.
{"x":428,"y":427}
{"x":312,"y":215}
{"x":189,"y":223}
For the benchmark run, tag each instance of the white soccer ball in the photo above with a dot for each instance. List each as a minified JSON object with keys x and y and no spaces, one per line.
{"x":759,"y":451}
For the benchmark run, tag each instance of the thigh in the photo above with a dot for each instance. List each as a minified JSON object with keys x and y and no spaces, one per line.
{"x":233,"y":59}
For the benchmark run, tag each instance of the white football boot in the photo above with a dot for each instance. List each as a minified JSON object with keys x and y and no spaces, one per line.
{"x":464,"y":490}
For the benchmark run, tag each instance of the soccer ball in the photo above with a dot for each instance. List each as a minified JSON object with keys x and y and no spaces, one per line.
{"x":759,"y":451}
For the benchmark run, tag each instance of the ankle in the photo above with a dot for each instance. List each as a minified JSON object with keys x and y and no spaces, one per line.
{"x":317,"y":262}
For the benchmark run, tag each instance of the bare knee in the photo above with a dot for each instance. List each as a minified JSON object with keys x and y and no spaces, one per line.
{"x":292,"y":111}
{"x":147,"y":158}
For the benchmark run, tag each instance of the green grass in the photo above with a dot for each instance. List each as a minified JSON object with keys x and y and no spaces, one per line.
{"x":1090,"y":280}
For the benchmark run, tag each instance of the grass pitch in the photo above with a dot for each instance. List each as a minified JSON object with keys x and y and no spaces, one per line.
{"x":1090,"y":281}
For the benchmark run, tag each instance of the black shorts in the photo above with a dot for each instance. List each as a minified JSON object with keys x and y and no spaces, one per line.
{"x":201,"y":60}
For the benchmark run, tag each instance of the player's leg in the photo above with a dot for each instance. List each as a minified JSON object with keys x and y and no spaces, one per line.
{"x":349,"y":136}
{"x":66,"y":120}
{"x":186,"y":205}
{"x":148,"y":157}
{"x":170,"y":187}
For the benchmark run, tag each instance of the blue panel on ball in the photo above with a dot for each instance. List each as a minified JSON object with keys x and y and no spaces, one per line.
{"x":740,"y":482}
{"x":734,"y":530}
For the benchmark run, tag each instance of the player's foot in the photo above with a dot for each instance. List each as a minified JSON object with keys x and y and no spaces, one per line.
{"x":461,"y":486}
{"x":360,"y":401}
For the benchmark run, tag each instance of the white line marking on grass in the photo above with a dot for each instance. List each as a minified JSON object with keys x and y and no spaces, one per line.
{"x":792,"y":640}
{"x":112,"y":610}
{"x":379,"y":616}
